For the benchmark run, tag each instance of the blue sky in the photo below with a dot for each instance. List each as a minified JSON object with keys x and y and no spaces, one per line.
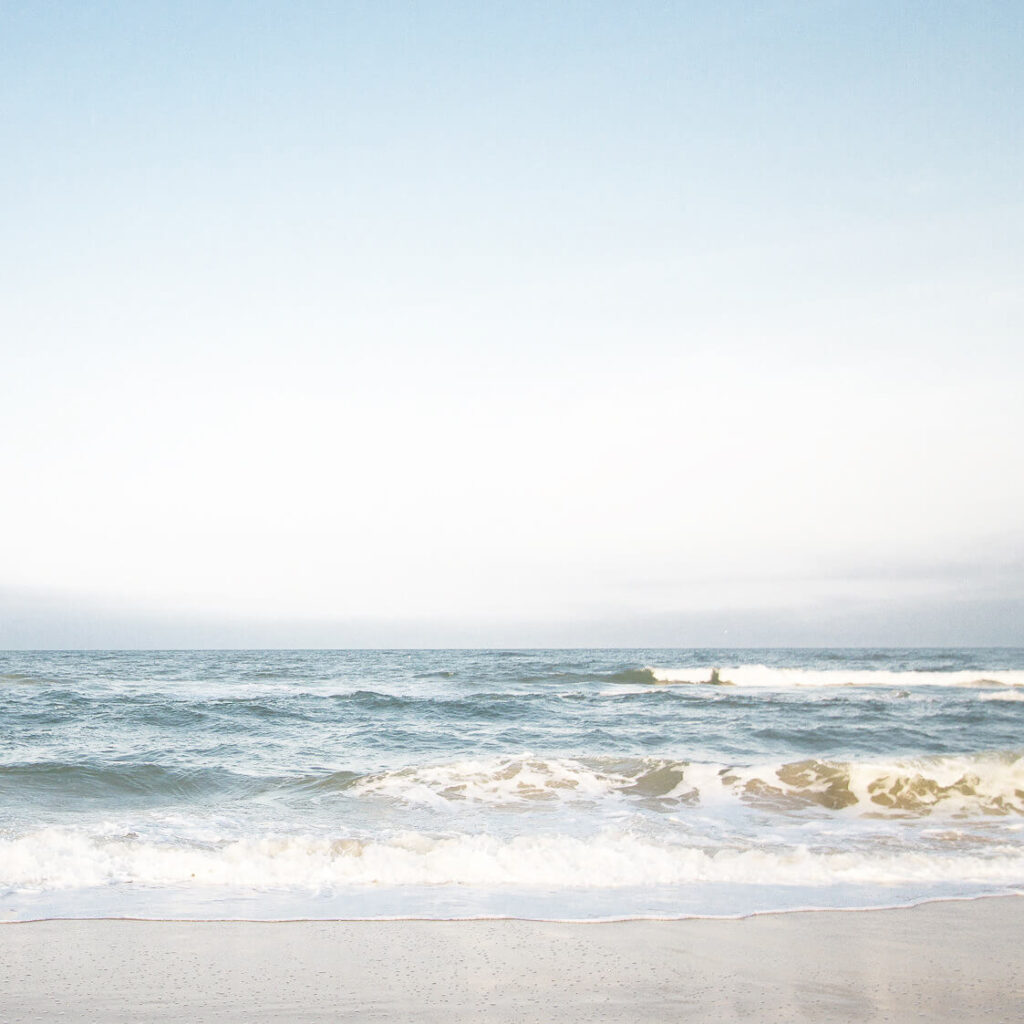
{"x":511,"y":323}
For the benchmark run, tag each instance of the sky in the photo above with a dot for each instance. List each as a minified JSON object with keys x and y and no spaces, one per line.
{"x":516,"y":324}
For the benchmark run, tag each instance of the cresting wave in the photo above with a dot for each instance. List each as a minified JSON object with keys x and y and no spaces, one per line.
{"x":962,"y":786}
{"x":68,"y":858}
{"x":785,"y":678}
{"x":965,"y":786}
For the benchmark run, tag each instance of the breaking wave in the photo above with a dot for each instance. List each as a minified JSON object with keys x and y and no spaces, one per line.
{"x":966,"y":786}
{"x":785,"y":678}
{"x":64,"y":858}
{"x":963,"y":786}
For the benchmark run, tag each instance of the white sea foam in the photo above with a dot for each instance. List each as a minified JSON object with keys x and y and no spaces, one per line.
{"x":785,"y":678}
{"x":67,"y":858}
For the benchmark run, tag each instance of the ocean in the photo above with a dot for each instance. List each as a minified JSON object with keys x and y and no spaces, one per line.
{"x":551,"y":784}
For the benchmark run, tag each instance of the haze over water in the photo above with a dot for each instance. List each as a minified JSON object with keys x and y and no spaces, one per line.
{"x":560,"y":784}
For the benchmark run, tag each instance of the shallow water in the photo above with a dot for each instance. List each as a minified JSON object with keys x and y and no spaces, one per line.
{"x":559,"y":784}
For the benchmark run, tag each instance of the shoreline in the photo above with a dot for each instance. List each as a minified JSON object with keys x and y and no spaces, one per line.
{"x":1008,"y":894}
{"x":942,"y":960}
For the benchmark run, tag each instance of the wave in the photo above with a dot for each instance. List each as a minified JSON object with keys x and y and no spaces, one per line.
{"x":66,"y":858}
{"x":25,"y":679}
{"x":517,"y":780}
{"x":959,"y":786}
{"x":962,"y":786}
{"x":632,"y":675}
{"x":112,"y":782}
{"x":786,"y":678}
{"x":990,"y":784}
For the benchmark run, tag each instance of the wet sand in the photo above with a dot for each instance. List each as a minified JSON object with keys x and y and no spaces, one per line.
{"x":953,"y":961}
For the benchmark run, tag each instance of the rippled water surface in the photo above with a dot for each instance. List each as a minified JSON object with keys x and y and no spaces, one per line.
{"x":578,"y":784}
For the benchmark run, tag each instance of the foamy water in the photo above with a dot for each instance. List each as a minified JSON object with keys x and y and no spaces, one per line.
{"x":774,"y":677}
{"x":578,"y":784}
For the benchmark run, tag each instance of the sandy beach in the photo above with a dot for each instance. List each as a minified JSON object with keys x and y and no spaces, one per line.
{"x":948,"y":961}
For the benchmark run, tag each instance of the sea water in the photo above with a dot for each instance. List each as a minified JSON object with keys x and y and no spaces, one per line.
{"x":578,"y":784}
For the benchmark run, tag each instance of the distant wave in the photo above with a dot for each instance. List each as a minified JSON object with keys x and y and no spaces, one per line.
{"x":785,"y":678}
{"x":24,"y":679}
{"x":632,"y":675}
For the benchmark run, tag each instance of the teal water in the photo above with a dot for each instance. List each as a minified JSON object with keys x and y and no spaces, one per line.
{"x":565,"y":784}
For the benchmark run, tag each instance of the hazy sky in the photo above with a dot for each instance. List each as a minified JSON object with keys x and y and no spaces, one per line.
{"x":347,"y":324}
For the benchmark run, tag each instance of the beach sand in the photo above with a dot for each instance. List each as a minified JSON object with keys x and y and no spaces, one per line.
{"x":950,"y":961}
